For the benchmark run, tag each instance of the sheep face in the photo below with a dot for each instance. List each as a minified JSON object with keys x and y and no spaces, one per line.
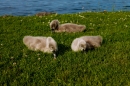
{"x":54,"y":25}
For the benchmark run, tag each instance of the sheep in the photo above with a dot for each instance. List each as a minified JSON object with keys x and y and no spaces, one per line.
{"x":84,"y":43}
{"x":67,"y":27}
{"x":39,"y":43}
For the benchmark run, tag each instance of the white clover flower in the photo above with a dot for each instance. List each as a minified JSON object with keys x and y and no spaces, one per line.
{"x":115,"y":22}
{"x":93,"y":24}
{"x":125,"y":25}
{"x":100,"y":19}
{"x":90,"y":23}
{"x":40,"y":16}
{"x":25,"y":55}
{"x":39,"y":59}
{"x":14,"y":63}
{"x":124,"y":19}
{"x":65,"y":20}
{"x":12,"y":58}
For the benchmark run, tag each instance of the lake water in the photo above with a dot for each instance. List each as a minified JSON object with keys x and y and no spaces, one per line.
{"x":31,"y":7}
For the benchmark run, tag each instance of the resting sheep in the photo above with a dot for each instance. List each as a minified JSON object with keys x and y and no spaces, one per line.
{"x":67,"y":27}
{"x":39,"y":43}
{"x":86,"y":42}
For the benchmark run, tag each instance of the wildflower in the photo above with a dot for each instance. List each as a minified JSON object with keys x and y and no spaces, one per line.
{"x":12,"y":58}
{"x":125,"y":25}
{"x":90,"y":23}
{"x":115,"y":22}
{"x":39,"y":59}
{"x":25,"y":55}
{"x":100,"y":19}
{"x":65,"y":20}
{"x":48,"y":22}
{"x":40,"y":16}
{"x":14,"y":63}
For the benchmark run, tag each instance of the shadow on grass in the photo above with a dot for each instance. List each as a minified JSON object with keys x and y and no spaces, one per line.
{"x":62,"y":49}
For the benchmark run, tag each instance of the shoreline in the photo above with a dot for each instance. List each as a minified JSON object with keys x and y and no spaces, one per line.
{"x":52,"y":13}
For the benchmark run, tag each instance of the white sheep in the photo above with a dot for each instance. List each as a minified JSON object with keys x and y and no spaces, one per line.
{"x":86,"y":42}
{"x":39,"y":43}
{"x":67,"y":27}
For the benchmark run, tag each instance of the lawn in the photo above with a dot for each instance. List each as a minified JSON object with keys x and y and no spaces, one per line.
{"x":108,"y":65}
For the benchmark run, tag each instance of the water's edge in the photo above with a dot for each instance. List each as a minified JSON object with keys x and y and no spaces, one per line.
{"x":31,"y":7}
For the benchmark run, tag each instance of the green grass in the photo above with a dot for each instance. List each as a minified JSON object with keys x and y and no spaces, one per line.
{"x":108,"y":65}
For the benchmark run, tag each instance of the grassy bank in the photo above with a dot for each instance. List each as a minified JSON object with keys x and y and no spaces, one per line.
{"x":108,"y":65}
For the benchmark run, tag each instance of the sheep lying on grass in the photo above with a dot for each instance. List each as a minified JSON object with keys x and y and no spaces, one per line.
{"x":67,"y":27}
{"x":86,"y":42}
{"x":44,"y":44}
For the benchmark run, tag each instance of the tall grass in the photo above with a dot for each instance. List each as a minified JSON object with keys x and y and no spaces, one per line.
{"x":108,"y":65}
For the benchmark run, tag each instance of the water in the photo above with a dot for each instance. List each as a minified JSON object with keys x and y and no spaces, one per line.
{"x":31,"y":7}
